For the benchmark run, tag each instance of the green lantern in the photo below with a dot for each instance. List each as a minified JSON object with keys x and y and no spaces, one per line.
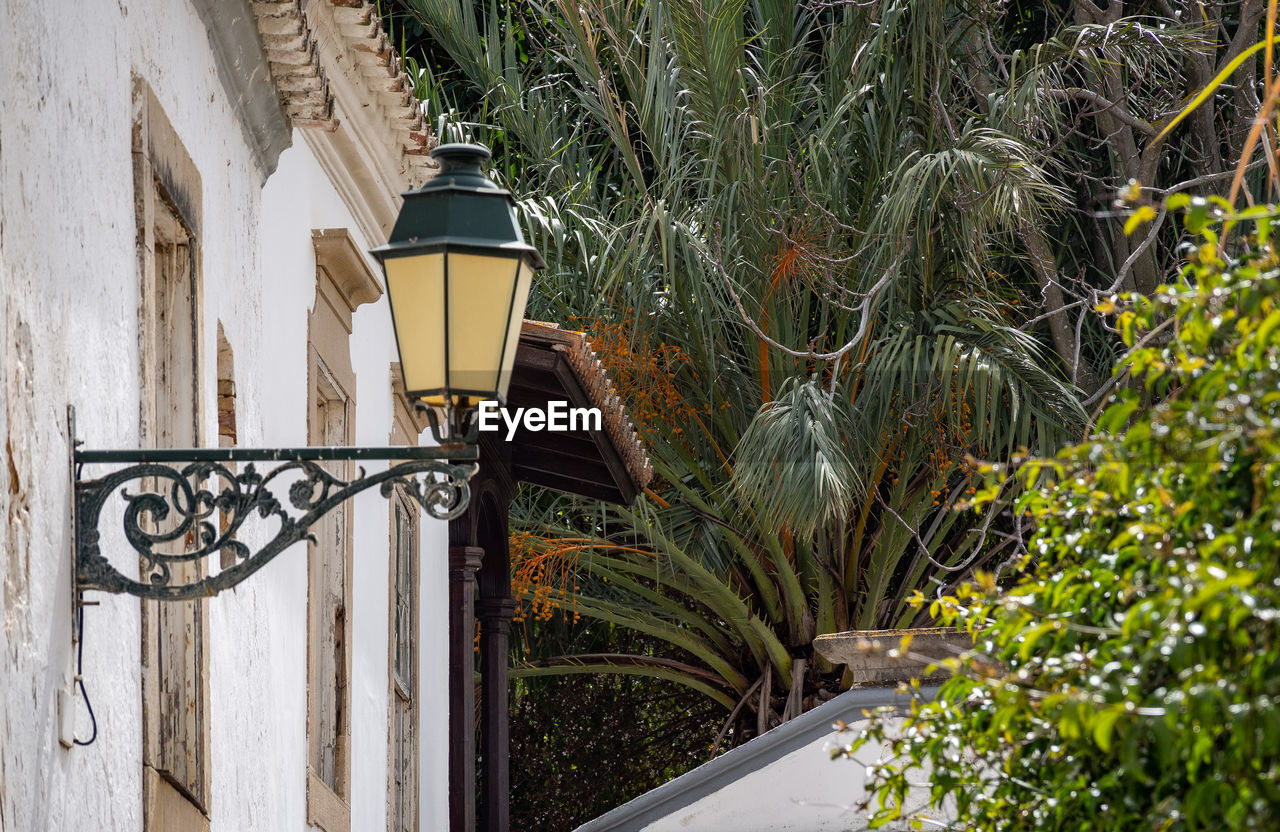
{"x":458,"y":273}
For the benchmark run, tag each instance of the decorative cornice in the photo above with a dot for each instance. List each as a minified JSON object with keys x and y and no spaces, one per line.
{"x":382,"y":71}
{"x":294,"y":60}
{"x":307,"y":45}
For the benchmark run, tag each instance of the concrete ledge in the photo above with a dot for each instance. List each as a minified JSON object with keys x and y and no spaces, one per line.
{"x":243,"y":71}
{"x":874,"y":658}
{"x":731,"y":766}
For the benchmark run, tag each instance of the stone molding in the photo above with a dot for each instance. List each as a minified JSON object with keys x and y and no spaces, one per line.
{"x":874,"y":657}
{"x":341,"y":257}
{"x":311,"y":47}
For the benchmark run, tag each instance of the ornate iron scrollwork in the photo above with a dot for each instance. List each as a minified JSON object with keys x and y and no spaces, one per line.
{"x":195,"y":505}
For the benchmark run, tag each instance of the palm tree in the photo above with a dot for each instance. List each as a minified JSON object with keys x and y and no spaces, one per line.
{"x":815,"y":244}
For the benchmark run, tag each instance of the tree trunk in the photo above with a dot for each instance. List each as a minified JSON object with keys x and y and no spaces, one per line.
{"x":1064,"y":337}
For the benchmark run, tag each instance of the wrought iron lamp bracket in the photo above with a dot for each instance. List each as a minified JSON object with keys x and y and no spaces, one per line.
{"x":449,"y":423}
{"x":188,"y":506}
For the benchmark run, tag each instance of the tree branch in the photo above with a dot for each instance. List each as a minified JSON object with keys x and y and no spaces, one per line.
{"x":1107,"y":106}
{"x":865,"y":308}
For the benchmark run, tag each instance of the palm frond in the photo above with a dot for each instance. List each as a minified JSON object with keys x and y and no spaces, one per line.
{"x":793,"y":465}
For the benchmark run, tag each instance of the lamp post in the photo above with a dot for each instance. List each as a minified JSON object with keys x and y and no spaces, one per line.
{"x":458,"y":273}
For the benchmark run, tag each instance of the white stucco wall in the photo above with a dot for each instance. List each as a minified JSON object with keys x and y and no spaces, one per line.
{"x":803,"y":791}
{"x":298,"y":198}
{"x":69,"y":301}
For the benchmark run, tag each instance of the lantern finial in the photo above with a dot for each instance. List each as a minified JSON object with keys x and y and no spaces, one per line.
{"x":461,"y":166}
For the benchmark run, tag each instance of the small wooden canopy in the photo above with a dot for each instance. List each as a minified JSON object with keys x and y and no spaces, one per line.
{"x":610,"y":464}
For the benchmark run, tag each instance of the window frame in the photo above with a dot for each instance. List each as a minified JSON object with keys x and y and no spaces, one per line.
{"x":344,"y":281}
{"x":167,"y":188}
{"x":329,"y":805}
{"x":406,"y":428}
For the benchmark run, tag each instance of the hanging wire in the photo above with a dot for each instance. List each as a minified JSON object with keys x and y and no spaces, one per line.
{"x":80,"y":674}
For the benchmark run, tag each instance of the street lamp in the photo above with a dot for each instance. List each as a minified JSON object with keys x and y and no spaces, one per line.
{"x":458,"y":273}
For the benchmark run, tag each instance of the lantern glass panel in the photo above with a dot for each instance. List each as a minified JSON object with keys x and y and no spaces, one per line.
{"x":416,"y":288}
{"x":481,"y":289}
{"x":523,"y":281}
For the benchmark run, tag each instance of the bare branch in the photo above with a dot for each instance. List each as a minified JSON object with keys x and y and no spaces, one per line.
{"x":1207,"y":179}
{"x":1137,"y":252}
{"x":924,"y":549}
{"x":1108,"y":106}
{"x":865,"y":308}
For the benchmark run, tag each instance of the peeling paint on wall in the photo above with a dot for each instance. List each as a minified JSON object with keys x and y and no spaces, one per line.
{"x":4,"y":792}
{"x":5,"y":734}
{"x":19,"y":398}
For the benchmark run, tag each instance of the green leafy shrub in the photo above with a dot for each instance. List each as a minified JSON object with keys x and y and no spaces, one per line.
{"x":1128,"y":679}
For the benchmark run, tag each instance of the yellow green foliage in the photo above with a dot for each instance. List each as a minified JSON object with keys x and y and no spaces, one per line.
{"x":1129,"y":678}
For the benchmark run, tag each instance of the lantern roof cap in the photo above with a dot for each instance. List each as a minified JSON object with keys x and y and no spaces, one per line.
{"x":460,"y":208}
{"x":461,"y":169}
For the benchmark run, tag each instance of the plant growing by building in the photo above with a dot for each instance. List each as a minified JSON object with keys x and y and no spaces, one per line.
{"x":728,"y":213}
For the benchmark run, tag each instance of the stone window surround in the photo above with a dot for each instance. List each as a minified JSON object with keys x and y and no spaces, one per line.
{"x":406,"y":427}
{"x":344,"y":281}
{"x":165,"y":173}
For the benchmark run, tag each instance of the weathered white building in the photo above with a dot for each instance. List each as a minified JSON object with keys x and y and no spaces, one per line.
{"x":187,"y":192}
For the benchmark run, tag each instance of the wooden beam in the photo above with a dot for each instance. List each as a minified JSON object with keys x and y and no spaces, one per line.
{"x":463,"y":563}
{"x":535,"y":358}
{"x":577,"y":443}
{"x":531,"y":457}
{"x":494,"y":615}
{"x":570,"y":485}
